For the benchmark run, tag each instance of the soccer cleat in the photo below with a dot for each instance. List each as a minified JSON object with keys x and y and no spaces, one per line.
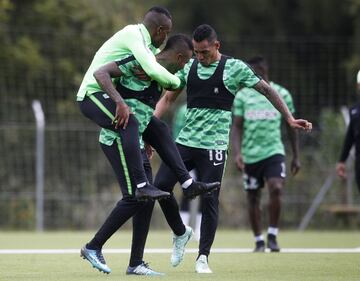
{"x":142,"y":269}
{"x":201,"y":265}
{"x":179,"y":243}
{"x":150,"y":192}
{"x":259,"y":246}
{"x":96,"y":259}
{"x":196,"y":188}
{"x":272,"y":243}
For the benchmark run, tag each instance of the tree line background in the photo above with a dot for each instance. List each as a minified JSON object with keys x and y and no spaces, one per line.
{"x":313,"y":47}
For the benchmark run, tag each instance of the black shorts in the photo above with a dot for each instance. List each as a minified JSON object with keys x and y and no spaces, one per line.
{"x":256,"y":173}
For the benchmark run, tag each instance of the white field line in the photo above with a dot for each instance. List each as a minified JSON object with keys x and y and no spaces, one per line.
{"x":191,"y":250}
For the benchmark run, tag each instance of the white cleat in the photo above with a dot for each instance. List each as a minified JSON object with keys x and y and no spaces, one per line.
{"x":201,"y":265}
{"x":179,"y":243}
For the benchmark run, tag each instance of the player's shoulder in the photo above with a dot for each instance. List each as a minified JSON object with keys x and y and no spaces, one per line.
{"x":279,"y":88}
{"x":234,"y":61}
{"x":130,"y":30}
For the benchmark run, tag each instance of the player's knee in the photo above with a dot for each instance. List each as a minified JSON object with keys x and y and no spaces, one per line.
{"x":275,"y":189}
{"x":253,"y":197}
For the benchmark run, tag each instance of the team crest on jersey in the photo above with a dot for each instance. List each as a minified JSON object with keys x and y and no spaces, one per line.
{"x":216,"y":90}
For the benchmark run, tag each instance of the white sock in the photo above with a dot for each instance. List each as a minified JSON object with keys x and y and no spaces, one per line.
{"x":185,"y":216}
{"x":198,"y":226}
{"x":259,"y":238}
{"x":273,"y":230}
{"x":140,"y":185}
{"x":187,"y":183}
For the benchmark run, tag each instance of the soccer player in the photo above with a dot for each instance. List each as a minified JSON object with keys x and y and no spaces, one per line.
{"x":141,"y":96}
{"x":259,"y":152}
{"x":352,"y":136}
{"x":212,"y":81}
{"x":140,"y":41}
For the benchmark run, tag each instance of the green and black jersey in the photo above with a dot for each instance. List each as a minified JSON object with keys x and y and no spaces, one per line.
{"x":208,"y":128}
{"x":142,"y":111}
{"x":261,"y":128}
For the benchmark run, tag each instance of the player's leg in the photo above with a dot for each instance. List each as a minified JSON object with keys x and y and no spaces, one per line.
{"x":274,"y":173}
{"x":357,"y":173}
{"x":210,"y":165}
{"x":124,"y":209}
{"x":253,"y":183}
{"x":101,"y":109}
{"x":141,"y":224}
{"x":158,"y":135}
{"x":165,"y":179}
{"x":253,"y":200}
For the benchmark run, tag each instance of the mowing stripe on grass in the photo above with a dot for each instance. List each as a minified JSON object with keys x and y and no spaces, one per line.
{"x":191,"y":250}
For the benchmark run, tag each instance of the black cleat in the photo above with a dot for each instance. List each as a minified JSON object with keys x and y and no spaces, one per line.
{"x":197,"y":188}
{"x":259,"y":247}
{"x":272,"y":243}
{"x":150,"y":192}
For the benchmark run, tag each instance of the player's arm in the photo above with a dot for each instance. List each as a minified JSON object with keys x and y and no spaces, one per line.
{"x":165,"y":102}
{"x":236,"y":139}
{"x":147,"y":60}
{"x":103,"y":77}
{"x":294,"y":143}
{"x":348,"y":142}
{"x":264,"y":88}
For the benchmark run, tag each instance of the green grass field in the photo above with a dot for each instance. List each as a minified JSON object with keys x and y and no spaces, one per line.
{"x":226,"y":266}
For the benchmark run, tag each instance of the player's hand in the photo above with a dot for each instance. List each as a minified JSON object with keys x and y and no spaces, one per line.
{"x":300,"y":124}
{"x":149,"y":150}
{"x":341,"y":170}
{"x":239,"y":162}
{"x":140,"y":73}
{"x":295,"y":166}
{"x":121,"y":115}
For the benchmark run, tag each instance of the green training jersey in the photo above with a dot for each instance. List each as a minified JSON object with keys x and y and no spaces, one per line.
{"x":141,"y":111}
{"x":209,"y":128}
{"x":131,"y":40}
{"x":261,"y":128}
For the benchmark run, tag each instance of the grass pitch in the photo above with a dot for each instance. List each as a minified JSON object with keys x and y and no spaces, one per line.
{"x":226,"y":266}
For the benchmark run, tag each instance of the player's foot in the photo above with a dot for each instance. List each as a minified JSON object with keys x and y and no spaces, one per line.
{"x":179,"y":243}
{"x":196,"y":188}
{"x":142,"y":269}
{"x":150,"y":192}
{"x":201,"y":265}
{"x":96,"y":259}
{"x":272,"y":243}
{"x":259,"y":247}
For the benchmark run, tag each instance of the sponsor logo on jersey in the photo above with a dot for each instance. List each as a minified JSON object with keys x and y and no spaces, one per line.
{"x":261,"y":114}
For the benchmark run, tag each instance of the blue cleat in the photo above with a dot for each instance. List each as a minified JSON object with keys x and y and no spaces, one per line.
{"x":142,"y":269}
{"x":96,"y":258}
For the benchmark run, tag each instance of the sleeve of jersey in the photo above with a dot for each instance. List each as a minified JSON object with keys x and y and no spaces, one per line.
{"x":136,"y":44}
{"x":246,"y":75}
{"x":289,"y":101}
{"x":238,"y":107}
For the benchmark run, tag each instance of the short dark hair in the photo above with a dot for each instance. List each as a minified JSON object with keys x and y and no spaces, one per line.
{"x":204,"y":32}
{"x":179,"y":42}
{"x":160,"y":10}
{"x":256,"y":60}
{"x":259,"y":65}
